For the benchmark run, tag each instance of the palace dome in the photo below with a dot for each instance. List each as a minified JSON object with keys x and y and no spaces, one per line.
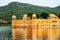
{"x":52,"y":16}
{"x":13,"y":16}
{"x":25,"y":15}
{"x":34,"y":15}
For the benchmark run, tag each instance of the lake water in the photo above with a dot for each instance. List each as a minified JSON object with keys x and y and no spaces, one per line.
{"x":5,"y":33}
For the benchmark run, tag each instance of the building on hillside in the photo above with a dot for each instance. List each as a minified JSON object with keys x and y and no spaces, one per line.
{"x":3,"y":21}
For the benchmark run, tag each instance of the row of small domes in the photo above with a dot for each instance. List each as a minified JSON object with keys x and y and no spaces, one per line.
{"x":34,"y":15}
{"x":24,"y":15}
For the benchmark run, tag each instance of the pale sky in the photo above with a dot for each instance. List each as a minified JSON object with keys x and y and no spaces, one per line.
{"x":49,"y":3}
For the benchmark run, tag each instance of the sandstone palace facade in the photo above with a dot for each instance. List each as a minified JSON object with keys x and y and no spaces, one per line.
{"x":36,"y":29}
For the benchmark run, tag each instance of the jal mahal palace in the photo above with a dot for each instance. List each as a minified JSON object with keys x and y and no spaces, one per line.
{"x":36,"y":29}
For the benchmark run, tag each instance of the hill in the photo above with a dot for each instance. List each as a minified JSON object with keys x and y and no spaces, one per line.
{"x":19,"y":9}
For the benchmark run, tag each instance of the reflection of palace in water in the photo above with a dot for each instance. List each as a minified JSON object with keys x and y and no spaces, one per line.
{"x":36,"y":29}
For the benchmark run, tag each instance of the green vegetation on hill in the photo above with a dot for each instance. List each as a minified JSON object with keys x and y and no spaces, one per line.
{"x":18,"y":9}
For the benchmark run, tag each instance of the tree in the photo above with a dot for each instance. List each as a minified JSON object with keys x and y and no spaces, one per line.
{"x":44,"y":15}
{"x":58,"y":15}
{"x":53,"y":13}
{"x":30,"y":15}
{"x":38,"y":16}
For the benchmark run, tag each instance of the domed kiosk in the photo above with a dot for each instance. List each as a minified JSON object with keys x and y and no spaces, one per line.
{"x":33,"y":16}
{"x":25,"y":16}
{"x":13,"y":17}
{"x":52,"y":16}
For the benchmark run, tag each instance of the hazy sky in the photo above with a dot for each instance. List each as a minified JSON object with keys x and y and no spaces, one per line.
{"x":49,"y":3}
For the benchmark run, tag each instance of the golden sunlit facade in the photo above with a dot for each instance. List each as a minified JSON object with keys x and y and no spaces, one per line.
{"x":36,"y":29}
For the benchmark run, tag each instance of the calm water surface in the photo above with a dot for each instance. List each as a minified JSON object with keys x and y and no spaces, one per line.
{"x":5,"y":33}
